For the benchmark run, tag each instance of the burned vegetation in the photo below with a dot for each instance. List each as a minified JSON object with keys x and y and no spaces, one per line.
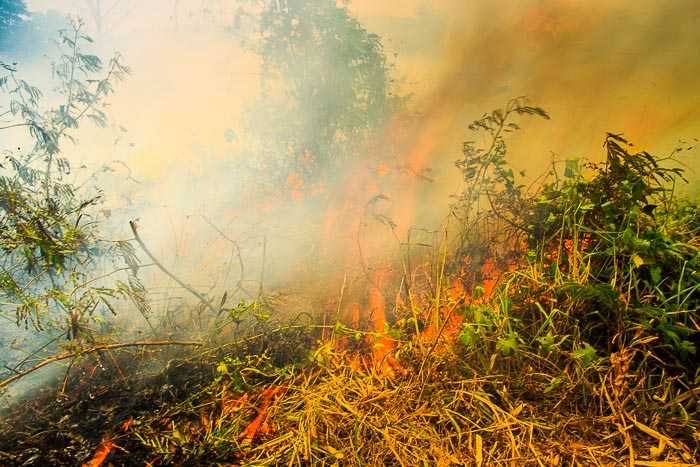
{"x":548,"y":323}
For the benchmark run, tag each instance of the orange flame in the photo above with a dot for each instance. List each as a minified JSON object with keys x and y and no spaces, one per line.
{"x":101,"y":454}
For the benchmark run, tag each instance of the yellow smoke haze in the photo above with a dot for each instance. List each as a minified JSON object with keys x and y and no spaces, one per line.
{"x":596,"y":66}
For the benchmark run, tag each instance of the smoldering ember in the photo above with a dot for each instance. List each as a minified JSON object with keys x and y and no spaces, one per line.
{"x":349,"y":232}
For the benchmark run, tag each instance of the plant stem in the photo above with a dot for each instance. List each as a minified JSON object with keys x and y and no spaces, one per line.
{"x":77,"y":353}
{"x":160,"y":266}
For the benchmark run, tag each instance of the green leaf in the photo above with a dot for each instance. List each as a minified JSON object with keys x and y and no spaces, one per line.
{"x":468,"y":336}
{"x":553,"y":384}
{"x":571,"y":168}
{"x":586,"y":355}
{"x":508,"y":345}
{"x":546,"y":342}
{"x":686,"y":348}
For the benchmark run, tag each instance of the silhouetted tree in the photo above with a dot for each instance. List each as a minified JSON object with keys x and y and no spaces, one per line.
{"x":333,"y":78}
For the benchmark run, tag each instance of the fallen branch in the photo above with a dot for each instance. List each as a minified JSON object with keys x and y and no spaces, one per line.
{"x":97,"y":348}
{"x":145,"y":249}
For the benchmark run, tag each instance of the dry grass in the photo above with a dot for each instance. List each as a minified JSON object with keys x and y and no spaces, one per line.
{"x":341,"y":410}
{"x":337,"y":415}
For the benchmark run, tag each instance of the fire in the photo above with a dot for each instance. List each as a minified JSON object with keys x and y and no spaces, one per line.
{"x":101,"y":453}
{"x":259,"y":425}
{"x":368,"y":210}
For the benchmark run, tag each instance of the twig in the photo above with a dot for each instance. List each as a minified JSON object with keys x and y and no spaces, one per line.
{"x":18,"y":125}
{"x":235,"y":245}
{"x":35,"y":352}
{"x":340,"y":304}
{"x":97,"y":348}
{"x":262,"y":268}
{"x":167,"y":272}
{"x":433,"y":346}
{"x":65,"y":378}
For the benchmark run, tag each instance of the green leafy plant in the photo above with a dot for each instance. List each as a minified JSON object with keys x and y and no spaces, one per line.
{"x":491,"y":196}
{"x":326,"y":89}
{"x":598,"y":265}
{"x":54,"y":264}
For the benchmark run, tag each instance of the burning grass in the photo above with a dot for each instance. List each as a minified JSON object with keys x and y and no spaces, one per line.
{"x":563,"y":332}
{"x":334,"y":409}
{"x":338,"y":415}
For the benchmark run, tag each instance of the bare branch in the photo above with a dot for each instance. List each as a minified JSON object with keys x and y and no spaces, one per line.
{"x":160,"y":266}
{"x":97,"y":348}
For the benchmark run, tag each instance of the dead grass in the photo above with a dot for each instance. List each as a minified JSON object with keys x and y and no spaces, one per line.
{"x":343,"y":410}
{"x":340,"y":416}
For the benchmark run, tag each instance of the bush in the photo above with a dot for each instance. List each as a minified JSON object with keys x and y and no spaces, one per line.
{"x":600,"y":274}
{"x":50,"y":244}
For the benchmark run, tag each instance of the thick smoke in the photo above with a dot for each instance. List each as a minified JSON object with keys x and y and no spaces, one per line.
{"x":190,"y":167}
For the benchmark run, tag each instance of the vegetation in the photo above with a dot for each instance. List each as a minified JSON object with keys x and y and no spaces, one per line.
{"x":55,"y":265}
{"x":580,"y":352}
{"x":326,"y":91}
{"x":600,"y":308}
{"x":554,"y":324}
